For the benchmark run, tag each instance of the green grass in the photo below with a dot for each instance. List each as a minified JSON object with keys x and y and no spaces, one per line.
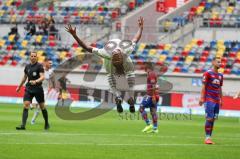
{"x":108,"y":136}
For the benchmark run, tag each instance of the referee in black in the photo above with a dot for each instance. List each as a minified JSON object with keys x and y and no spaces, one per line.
{"x":34,"y":73}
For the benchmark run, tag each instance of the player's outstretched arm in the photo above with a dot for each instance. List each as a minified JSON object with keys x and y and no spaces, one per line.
{"x":202,"y":100}
{"x":138,"y":35}
{"x":73,"y":32}
{"x":24,"y":78}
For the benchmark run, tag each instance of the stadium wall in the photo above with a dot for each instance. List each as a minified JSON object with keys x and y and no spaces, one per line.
{"x":183,"y":97}
{"x":169,"y":102}
{"x":181,"y":82}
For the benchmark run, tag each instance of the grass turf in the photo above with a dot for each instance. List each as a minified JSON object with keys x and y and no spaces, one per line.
{"x":110,"y":136}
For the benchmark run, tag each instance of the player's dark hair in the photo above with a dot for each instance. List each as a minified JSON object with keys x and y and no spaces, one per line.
{"x":46,"y":59}
{"x":33,"y":52}
{"x":149,"y":65}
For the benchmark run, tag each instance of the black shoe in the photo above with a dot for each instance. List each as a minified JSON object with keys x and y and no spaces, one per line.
{"x":46,"y":126}
{"x":118,"y":101}
{"x":131,"y":105}
{"x":20,"y":127}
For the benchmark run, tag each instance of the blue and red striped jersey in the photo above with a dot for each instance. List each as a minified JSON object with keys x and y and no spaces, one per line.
{"x":152,"y":86}
{"x":213,"y":82}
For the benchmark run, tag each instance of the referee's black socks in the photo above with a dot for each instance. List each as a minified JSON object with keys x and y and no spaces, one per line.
{"x":45,"y":116}
{"x":24,"y":117}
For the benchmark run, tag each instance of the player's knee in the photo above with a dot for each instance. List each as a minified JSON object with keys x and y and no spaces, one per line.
{"x":210,"y":119}
{"x":153,"y":113}
{"x":27,"y":104}
{"x":153,"y":110}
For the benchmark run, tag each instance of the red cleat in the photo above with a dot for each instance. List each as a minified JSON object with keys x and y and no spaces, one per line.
{"x":209,"y":141}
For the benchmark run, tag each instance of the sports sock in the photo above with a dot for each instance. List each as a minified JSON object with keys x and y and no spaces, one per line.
{"x":24,"y":117}
{"x":45,"y":116}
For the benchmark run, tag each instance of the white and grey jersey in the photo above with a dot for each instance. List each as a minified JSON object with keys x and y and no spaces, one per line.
{"x":106,"y":54}
{"x":128,"y":66}
{"x":45,"y":84}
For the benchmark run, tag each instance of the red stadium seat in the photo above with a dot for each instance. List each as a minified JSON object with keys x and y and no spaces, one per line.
{"x":7,"y":57}
{"x":177,"y":69}
{"x":75,"y":13}
{"x":1,"y":63}
{"x":22,"y":12}
{"x":232,"y":54}
{"x":100,"y":8}
{"x":160,"y":63}
{"x":191,"y":15}
{"x":223,"y":64}
{"x":52,"y":43}
{"x":160,"y":46}
{"x":84,"y":67}
{"x":14,"y":63}
{"x":176,"y":58}
{"x":184,"y":53}
{"x":94,"y":45}
{"x":199,"y":42}
{"x":51,"y":8}
{"x":198,"y":70}
{"x":205,"y":53}
{"x":140,"y":62}
{"x":18,"y":3}
{"x":224,"y":59}
{"x":212,"y":22}
{"x":69,"y":55}
{"x":227,"y":71}
{"x":9,"y":47}
{"x":237,"y":61}
{"x":203,"y":59}
{"x":193,"y":9}
{"x":75,"y":45}
{"x":114,"y":14}
{"x":203,"y":3}
{"x":218,"y":21}
{"x":35,"y":7}
{"x":131,"y":5}
{"x":66,"y":19}
{"x":51,"y":38}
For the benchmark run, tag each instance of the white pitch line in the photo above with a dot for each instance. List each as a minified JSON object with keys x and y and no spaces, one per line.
{"x":117,"y":135}
{"x":118,"y":144}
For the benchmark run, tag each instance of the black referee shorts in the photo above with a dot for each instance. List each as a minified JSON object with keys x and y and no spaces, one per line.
{"x":34,"y":92}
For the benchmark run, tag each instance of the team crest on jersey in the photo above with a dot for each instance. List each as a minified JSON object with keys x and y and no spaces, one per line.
{"x":220,"y":77}
{"x":216,"y":81}
{"x":152,"y":81}
{"x":34,"y":73}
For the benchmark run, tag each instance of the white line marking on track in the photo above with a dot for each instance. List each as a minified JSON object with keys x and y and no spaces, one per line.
{"x":117,"y":144}
{"x":117,"y":135}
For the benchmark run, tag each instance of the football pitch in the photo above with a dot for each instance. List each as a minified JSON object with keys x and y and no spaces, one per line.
{"x":110,"y":136}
